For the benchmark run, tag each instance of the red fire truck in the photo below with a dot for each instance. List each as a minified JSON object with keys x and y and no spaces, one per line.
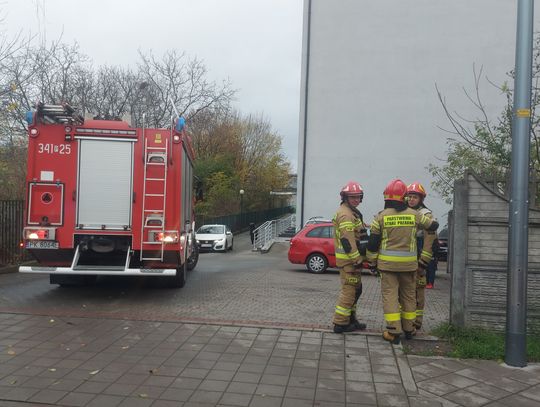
{"x":104,"y":198}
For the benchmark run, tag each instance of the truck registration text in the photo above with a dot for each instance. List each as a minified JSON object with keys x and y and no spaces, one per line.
{"x":41,"y":244}
{"x":49,"y":148}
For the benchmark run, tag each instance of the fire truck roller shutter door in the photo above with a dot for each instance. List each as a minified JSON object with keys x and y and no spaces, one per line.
{"x":105,"y":184}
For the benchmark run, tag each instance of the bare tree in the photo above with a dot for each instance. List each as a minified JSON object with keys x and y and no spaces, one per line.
{"x":59,"y":72}
{"x":175,"y":79}
{"x":480,"y":143}
{"x":113,"y":92}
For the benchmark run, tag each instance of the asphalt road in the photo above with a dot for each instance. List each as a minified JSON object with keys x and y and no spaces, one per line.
{"x":239,"y":287}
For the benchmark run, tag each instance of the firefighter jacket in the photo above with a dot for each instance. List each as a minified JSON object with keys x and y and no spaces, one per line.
{"x":426,"y":240}
{"x":395,"y":235}
{"x":348,"y":229}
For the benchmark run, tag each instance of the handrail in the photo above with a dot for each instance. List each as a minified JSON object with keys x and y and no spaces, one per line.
{"x":266,"y":234}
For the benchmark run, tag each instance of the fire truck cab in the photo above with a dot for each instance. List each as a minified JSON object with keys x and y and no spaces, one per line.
{"x":104,"y":198}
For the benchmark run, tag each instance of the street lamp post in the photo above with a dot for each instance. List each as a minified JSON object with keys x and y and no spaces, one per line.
{"x":518,"y":218}
{"x":241,"y":205}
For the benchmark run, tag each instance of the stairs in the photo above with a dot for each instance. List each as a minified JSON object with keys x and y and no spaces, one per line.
{"x":289,"y":232}
{"x":273,"y":230}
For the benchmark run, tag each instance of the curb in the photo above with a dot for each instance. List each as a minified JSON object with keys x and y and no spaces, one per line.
{"x":405,"y":371}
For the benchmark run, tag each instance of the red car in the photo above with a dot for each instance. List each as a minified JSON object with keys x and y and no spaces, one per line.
{"x":314,"y":247}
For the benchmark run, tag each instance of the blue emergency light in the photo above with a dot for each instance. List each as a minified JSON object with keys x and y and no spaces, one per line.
{"x":180,"y":123}
{"x":30,"y":117}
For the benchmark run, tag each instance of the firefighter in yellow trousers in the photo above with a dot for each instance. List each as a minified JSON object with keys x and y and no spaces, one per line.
{"x":349,"y":229}
{"x":425,"y":241}
{"x":392,"y":250}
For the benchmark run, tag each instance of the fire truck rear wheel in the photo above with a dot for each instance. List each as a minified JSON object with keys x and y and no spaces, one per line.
{"x":194,"y":258}
{"x":179,"y":280}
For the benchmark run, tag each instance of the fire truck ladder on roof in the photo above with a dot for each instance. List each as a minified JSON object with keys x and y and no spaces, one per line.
{"x":58,"y":114}
{"x":154,"y":204}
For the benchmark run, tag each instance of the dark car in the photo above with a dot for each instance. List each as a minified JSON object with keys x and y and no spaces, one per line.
{"x":442,"y":254}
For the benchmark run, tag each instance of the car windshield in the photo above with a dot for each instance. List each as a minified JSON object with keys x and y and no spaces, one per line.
{"x":212,"y":229}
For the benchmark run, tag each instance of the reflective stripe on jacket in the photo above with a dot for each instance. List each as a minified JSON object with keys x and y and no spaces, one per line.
{"x":425,"y":252}
{"x":397,"y":251}
{"x":347,"y":225}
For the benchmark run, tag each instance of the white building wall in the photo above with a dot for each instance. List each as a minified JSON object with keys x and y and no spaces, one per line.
{"x":371,"y":111}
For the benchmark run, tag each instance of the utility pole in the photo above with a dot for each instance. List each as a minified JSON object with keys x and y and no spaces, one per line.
{"x":518,"y":239}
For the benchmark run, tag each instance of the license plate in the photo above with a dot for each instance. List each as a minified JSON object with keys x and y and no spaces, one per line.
{"x":41,"y":244}
{"x":206,"y":245}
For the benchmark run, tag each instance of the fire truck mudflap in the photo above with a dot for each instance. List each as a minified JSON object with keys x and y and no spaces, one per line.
{"x":107,"y":199}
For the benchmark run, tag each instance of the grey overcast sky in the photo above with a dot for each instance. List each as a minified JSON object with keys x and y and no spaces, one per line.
{"x":254,"y":43}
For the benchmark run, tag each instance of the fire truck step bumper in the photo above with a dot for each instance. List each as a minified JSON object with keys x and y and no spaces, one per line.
{"x":103,"y":271}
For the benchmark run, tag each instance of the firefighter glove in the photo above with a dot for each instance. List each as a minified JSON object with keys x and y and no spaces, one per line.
{"x":372,"y":267}
{"x":346,"y":245}
{"x":358,"y":264}
{"x":422,"y":264}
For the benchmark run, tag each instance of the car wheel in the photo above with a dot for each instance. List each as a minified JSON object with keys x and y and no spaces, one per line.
{"x":316,"y":263}
{"x":232,"y":244}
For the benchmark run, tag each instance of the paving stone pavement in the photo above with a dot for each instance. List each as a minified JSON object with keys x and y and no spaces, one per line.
{"x":93,"y":362}
{"x":236,"y":288}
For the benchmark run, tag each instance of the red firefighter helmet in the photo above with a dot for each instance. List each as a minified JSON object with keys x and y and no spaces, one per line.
{"x":351,"y":189}
{"x":416,"y":188}
{"x":395,"y":191}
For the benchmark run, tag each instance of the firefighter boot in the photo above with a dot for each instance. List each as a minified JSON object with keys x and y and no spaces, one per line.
{"x":360,"y":326}
{"x":340,"y":329}
{"x":392,"y":338}
{"x":409,"y":334}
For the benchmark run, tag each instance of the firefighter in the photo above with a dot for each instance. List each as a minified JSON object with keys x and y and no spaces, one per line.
{"x":392,"y":250}
{"x":425,"y":242}
{"x":349,"y":229}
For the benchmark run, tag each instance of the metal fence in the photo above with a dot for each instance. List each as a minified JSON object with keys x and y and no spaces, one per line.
{"x":11,"y":224}
{"x":240,"y":222}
